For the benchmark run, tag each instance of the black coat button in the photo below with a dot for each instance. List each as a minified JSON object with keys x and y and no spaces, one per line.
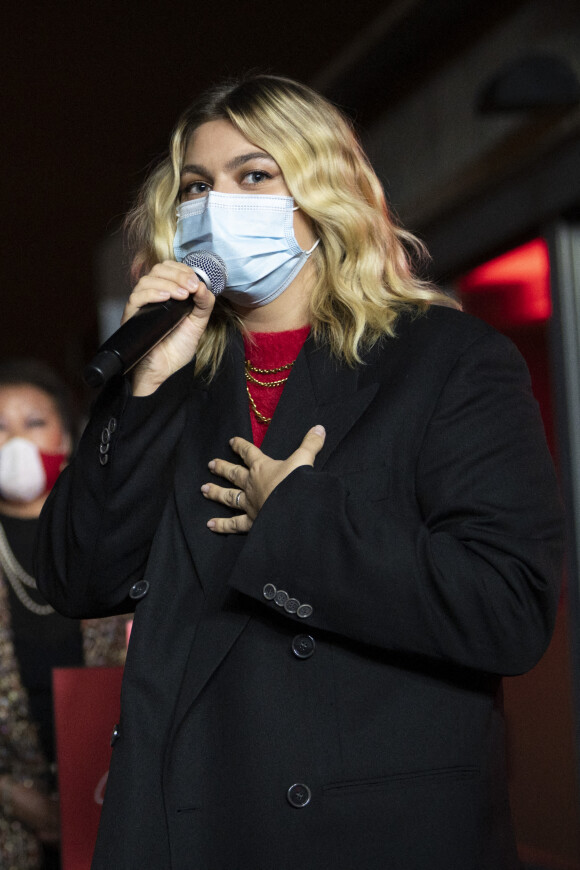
{"x":269,"y":591}
{"x":304,"y":611}
{"x":139,"y":590}
{"x":298,"y":795}
{"x":292,"y":605}
{"x":116,"y":734}
{"x":303,"y":646}
{"x":281,"y":597}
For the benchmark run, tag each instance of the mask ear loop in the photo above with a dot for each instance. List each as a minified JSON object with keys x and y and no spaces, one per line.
{"x":316,"y":243}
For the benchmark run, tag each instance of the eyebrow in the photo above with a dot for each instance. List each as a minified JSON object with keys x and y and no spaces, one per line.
{"x":234,"y":163}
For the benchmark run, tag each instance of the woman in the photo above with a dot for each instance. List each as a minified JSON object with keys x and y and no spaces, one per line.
{"x":36,"y":436}
{"x":322,"y":618}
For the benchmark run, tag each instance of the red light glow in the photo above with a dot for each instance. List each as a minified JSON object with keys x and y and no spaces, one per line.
{"x":510,"y":290}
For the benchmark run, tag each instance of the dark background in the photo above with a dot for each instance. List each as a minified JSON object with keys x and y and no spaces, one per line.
{"x":90,"y":93}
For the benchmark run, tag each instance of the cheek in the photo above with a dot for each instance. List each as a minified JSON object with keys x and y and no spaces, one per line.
{"x":49,"y":440}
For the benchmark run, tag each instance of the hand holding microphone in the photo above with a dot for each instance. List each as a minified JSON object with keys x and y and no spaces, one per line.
{"x":163,"y":321}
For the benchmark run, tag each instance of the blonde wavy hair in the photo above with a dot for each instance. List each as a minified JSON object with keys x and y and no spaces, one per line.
{"x":363,"y":272}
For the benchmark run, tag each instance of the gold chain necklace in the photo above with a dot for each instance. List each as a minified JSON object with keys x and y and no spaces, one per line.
{"x":19,"y":579}
{"x":252,"y":368}
{"x":249,"y":368}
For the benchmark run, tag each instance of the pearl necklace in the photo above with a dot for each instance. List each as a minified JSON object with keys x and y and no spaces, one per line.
{"x":19,"y":579}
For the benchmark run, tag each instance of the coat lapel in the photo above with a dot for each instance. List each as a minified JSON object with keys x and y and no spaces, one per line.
{"x":319,"y":390}
{"x":216,"y":414}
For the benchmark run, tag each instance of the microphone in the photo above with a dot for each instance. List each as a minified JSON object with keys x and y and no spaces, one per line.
{"x":138,"y":335}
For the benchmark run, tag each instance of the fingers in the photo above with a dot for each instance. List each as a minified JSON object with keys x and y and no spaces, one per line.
{"x":312,"y":444}
{"x":240,"y":524}
{"x":236,"y":474}
{"x":167,"y":280}
{"x":245,"y":450}
{"x":233,"y":498}
{"x":254,"y":481}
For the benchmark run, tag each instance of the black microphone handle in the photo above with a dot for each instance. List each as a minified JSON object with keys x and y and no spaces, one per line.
{"x":135,"y":338}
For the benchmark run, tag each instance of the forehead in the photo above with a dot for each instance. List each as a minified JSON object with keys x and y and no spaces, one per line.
{"x":217,"y":140}
{"x":23,"y":398}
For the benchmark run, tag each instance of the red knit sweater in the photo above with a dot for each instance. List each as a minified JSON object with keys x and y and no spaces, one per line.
{"x":270,"y":350}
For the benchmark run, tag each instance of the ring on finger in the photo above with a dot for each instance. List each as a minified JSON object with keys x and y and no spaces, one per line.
{"x":238,"y":497}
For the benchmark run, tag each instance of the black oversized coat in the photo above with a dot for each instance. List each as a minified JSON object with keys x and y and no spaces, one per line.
{"x":425,"y":545}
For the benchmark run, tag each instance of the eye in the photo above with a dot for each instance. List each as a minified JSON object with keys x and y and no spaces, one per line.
{"x":35,"y":423}
{"x":256,"y":176}
{"x":194,"y":190}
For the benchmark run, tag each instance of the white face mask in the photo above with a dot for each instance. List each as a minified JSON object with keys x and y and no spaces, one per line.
{"x":26,"y":473}
{"x":254,"y":236}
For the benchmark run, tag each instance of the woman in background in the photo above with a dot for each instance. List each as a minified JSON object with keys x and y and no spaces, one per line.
{"x":36,"y":437}
{"x":328,"y":498}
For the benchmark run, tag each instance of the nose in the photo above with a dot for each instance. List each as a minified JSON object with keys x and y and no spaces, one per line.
{"x":225,"y":185}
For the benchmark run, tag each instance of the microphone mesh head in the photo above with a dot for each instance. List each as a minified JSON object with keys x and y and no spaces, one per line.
{"x":208,"y":265}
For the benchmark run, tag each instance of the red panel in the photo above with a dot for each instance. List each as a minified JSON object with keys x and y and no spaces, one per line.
{"x":86,"y":708}
{"x":511,"y":290}
{"x":512,"y":293}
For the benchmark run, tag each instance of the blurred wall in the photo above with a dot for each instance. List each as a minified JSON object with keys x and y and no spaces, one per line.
{"x":442,"y":160}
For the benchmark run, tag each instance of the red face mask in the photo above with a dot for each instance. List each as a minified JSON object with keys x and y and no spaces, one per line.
{"x":25,"y":472}
{"x":53,"y":464}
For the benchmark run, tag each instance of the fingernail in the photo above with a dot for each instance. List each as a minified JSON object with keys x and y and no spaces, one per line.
{"x":192,"y":283}
{"x":205,"y":487}
{"x":211,"y":465}
{"x":181,"y":291}
{"x":320,"y":430}
{"x":211,"y":524}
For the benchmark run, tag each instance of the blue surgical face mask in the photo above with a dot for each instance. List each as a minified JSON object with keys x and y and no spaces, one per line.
{"x":254,"y":236}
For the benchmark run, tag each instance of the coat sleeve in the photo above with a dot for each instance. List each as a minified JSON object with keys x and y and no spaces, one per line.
{"x":467,"y":569}
{"x":98,"y":523}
